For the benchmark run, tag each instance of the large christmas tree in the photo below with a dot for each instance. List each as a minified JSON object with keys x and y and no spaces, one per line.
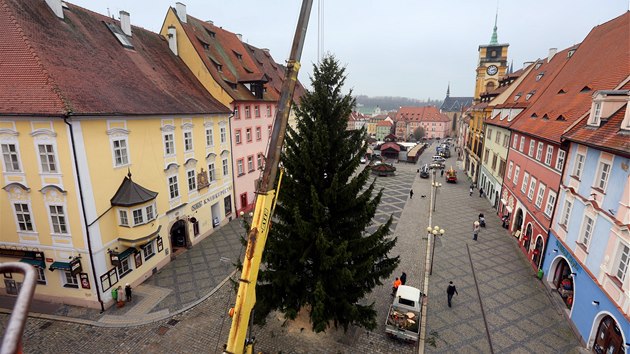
{"x":319,"y":256}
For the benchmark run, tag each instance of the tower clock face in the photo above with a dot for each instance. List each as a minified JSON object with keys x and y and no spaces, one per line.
{"x":492,"y":70}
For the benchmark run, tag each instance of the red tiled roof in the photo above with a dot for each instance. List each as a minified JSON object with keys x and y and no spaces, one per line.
{"x":25,"y":86}
{"x":421,"y":114}
{"x":390,"y":145}
{"x":95,"y":74}
{"x":384,"y":123}
{"x":600,"y":63}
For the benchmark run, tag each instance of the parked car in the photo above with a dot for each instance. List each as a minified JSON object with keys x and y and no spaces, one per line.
{"x":438,"y":158}
{"x":424,"y":171}
{"x":363,"y":160}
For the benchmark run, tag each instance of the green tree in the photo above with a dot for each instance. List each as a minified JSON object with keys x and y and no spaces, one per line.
{"x":318,"y":256}
{"x":418,"y":133}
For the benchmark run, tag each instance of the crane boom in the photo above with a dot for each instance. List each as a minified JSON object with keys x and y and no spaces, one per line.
{"x":265,"y":198}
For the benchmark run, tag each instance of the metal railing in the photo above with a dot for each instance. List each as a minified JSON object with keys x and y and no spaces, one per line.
{"x":12,"y":341}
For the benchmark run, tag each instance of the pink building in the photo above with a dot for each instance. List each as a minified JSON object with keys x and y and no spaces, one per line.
{"x":434,"y":123}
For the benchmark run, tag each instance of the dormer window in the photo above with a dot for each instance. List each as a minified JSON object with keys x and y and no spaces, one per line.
{"x":528,"y":96}
{"x":537,"y":66}
{"x":570,"y":53}
{"x":210,"y":33}
{"x":518,"y":95}
{"x":120,"y":35}
{"x":539,"y":76}
{"x":239,"y":56}
{"x":596,"y":114}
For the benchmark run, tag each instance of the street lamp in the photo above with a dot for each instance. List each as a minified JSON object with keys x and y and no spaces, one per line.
{"x":435,"y":186}
{"x":436,"y":230}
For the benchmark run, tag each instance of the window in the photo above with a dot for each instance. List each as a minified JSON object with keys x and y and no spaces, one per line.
{"x":137,"y":217}
{"x":169,"y":144}
{"x":258,"y":133}
{"x":539,"y":151}
{"x":148,"y":250}
{"x":173,"y":188}
{"x":211,"y":176}
{"x":122,"y":215}
{"x":501,"y":168}
{"x":532,"y":144}
{"x":41,"y":275}
{"x":268,"y":110}
{"x":494,"y":161}
{"x":260,"y":161}
{"x":587,"y":230}
{"x":257,"y":111}
{"x":23,"y":217}
{"x":209,"y":137}
{"x":622,"y":264}
{"x":489,"y":137}
{"x":237,"y":113}
{"x":223,"y":135}
{"x":188,"y":141}
{"x":123,"y":267}
{"x":227,"y":205}
{"x":498,"y":139}
{"x":237,"y":136}
{"x":226,"y":171}
{"x":520,"y":147}
{"x":47,"y":158}
{"x":560,"y":160}
{"x":516,"y":172}
{"x":567,"y":213}
{"x":196,"y":227}
{"x":248,"y":134}
{"x":604,"y":172}
{"x":192,"y":180}
{"x":525,"y":181}
{"x":150,"y":213}
{"x":239,"y":167}
{"x":579,"y":164}
{"x":58,"y":219}
{"x":506,"y":140}
{"x":485,"y":156}
{"x":597,"y":112}
{"x":120,"y":153}
{"x":248,"y":114}
{"x":541,"y":195}
{"x":532,"y":188}
{"x":551,"y":200}
{"x":69,"y":280}
{"x":269,"y":129}
{"x":10,"y":157}
{"x":515,"y":141}
{"x":250,"y":163}
{"x":509,"y":176}
{"x":549,"y":155}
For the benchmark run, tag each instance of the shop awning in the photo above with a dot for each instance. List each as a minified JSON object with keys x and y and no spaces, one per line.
{"x":60,"y":265}
{"x":126,"y":253}
{"x":34,"y":262}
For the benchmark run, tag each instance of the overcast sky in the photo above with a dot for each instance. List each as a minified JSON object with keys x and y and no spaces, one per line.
{"x":409,"y":48}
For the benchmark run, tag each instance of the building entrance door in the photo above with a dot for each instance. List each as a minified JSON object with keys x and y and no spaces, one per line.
{"x":178,"y":234}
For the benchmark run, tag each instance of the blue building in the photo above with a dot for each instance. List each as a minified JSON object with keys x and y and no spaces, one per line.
{"x":587,"y":260}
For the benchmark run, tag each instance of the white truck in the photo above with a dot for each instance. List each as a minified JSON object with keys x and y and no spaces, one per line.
{"x":403,"y":318}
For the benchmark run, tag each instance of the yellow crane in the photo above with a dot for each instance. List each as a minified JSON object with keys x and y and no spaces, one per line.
{"x":265,"y":199}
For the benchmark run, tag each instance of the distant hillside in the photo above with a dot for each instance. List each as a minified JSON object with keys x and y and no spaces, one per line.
{"x":367,"y":104}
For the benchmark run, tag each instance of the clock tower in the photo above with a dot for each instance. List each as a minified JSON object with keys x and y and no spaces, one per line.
{"x":492,"y":64}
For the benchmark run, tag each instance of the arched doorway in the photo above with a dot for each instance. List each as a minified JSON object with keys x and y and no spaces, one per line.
{"x":563,"y":281}
{"x":518,"y":221}
{"x":537,"y":257}
{"x":527,"y":239}
{"x":496,"y":200}
{"x":179,"y":238}
{"x":608,"y":338}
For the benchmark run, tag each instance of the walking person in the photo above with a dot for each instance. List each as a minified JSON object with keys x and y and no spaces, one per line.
{"x":128,"y":292}
{"x":411,"y":194}
{"x":403,"y":278}
{"x":395,"y":286}
{"x":450,"y":291}
{"x":476,"y":229}
{"x":480,"y":192}
{"x":470,"y":191}
{"x":442,"y":173}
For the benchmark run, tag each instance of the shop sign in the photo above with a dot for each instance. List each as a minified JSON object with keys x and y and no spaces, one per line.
{"x":209,"y":199}
{"x":574,"y":264}
{"x":75,"y":267}
{"x":113,"y":257}
{"x":7,"y":252}
{"x":85,"y":281}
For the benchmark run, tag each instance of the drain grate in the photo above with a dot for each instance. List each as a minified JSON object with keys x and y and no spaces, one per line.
{"x":162,"y":330}
{"x":45,"y":325}
{"x":172,"y":322}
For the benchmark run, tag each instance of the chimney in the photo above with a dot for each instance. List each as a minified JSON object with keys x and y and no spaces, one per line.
{"x":125,"y":23}
{"x":527,"y":63}
{"x":181,"y":11}
{"x":172,"y":39}
{"x":239,"y":36}
{"x":552,"y":52}
{"x":56,"y":7}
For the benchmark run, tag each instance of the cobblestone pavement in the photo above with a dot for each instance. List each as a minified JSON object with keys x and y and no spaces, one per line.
{"x":520,"y":316}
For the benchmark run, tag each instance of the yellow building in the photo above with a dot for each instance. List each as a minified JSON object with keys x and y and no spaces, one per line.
{"x":108,"y":166}
{"x":492,"y":65}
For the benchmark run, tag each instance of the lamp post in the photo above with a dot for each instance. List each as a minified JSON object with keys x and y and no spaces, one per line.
{"x":433,"y":232}
{"x":435,"y":186}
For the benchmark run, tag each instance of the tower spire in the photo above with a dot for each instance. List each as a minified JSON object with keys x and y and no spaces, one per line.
{"x":493,"y":39}
{"x":448,"y":89}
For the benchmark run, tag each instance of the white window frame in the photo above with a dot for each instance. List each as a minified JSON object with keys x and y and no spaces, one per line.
{"x":239,"y":167}
{"x":539,"y":150}
{"x":7,"y":157}
{"x":120,"y":154}
{"x":188,"y":141}
{"x":532,"y":144}
{"x":45,"y":158}
{"x":138,"y":217}
{"x":69,"y":281}
{"x":517,"y":170}
{"x":123,"y":217}
{"x":27,"y":217}
{"x":510,"y":167}
{"x":522,"y":144}
{"x":212,"y":176}
{"x":124,"y":267}
{"x":541,"y":195}
{"x":258,"y":133}
{"x":597,"y":113}
{"x":498,"y":137}
{"x":268,"y":110}
{"x":506,"y":141}
{"x":549,"y":155}
{"x":209,"y":137}
{"x":257,"y":111}
{"x":222,"y":135}
{"x":237,"y":136}
{"x":551,"y":200}
{"x":532,"y":188}
{"x":58,"y":221}
{"x":226,"y":168}
{"x":515,"y":143}
{"x":148,"y":250}
{"x":560,"y":159}
{"x":579,"y":165}
{"x":586,"y":230}
{"x":621,"y":264}
{"x":566,"y":212}
{"x":191,"y":178}
{"x":169,"y":143}
{"x":259,"y":160}
{"x":525,"y":183}
{"x":173,"y":187}
{"x":151,"y":212}
{"x":603,"y":175}
{"x":248,"y":134}
{"x":250,"y":163}
{"x":489,"y":137}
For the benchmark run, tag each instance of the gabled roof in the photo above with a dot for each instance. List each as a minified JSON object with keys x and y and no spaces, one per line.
{"x":599,"y":63}
{"x":456,"y":104}
{"x":421,"y":114}
{"x":384,"y":123}
{"x":81,"y":60}
{"x":130,"y":193}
